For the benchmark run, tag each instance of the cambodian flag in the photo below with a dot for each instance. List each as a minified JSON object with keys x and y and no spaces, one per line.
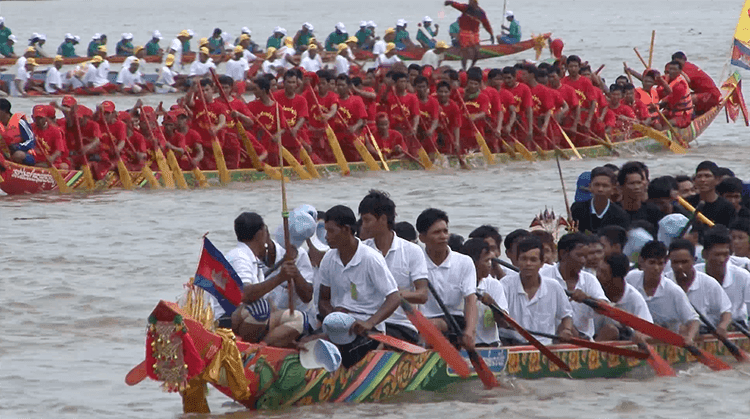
{"x":741,"y":54}
{"x":217,"y":277}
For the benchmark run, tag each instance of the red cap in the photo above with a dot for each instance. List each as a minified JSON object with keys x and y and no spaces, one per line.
{"x":556,"y":46}
{"x":178,"y":111}
{"x":427,"y":71}
{"x":83,"y":111}
{"x":124,"y":116}
{"x":108,"y":106}
{"x":68,"y":101}
{"x":40,"y":110}
{"x":463,"y":78}
{"x":170,"y":116}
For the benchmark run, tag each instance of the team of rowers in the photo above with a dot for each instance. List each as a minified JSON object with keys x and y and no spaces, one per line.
{"x":352,"y":276}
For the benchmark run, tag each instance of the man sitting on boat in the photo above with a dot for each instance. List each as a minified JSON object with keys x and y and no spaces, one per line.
{"x":255,"y":320}
{"x":17,"y":135}
{"x":512,"y":32}
{"x":452,"y":275}
{"x":492,"y":293}
{"x":426,"y":33}
{"x":674,"y":96}
{"x":405,"y":260}
{"x":705,"y":93}
{"x":355,"y":280}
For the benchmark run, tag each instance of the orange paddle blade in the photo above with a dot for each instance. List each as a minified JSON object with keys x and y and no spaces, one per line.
{"x":659,"y":364}
{"x":136,"y":375}
{"x":707,"y":359}
{"x":397,"y":343}
{"x":439,"y":343}
{"x":483,"y":371}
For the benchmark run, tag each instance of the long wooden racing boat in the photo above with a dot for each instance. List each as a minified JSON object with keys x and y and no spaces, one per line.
{"x":486,"y":51}
{"x":19,"y":179}
{"x":263,"y":378}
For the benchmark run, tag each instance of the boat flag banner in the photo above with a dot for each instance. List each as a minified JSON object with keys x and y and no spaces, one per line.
{"x":217,"y":277}
{"x":741,"y":44}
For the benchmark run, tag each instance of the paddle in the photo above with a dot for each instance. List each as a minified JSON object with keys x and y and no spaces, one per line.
{"x":596,"y":346}
{"x":565,"y":194}
{"x":436,"y":340}
{"x":438,"y":154}
{"x":146,"y":171}
{"x":641,"y":58}
{"x":453,"y":144}
{"x":304,"y":156}
{"x":62,"y":186}
{"x":397,"y":343}
{"x":423,"y":157}
{"x":377,"y":149}
{"x":487,"y":377}
{"x":702,"y":218}
{"x":692,"y":218}
{"x":543,"y":349}
{"x":657,"y":332}
{"x":122,"y":171}
{"x":161,"y":162}
{"x":372,"y":164}
{"x":88,"y":177}
{"x":660,"y":137}
{"x":659,"y":364}
{"x":565,"y":135}
{"x":333,"y":142}
{"x":522,"y":149}
{"x":741,"y":328}
{"x":137,"y":374}
{"x":671,"y":127}
{"x":221,"y":164}
{"x":738,"y":353}
{"x":651,"y":49}
{"x":488,"y":156}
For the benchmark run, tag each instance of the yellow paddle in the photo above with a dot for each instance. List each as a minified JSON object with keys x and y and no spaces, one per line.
{"x":161,"y":161}
{"x":288,"y":155}
{"x":565,"y":135}
{"x":377,"y":148}
{"x":62,"y":186}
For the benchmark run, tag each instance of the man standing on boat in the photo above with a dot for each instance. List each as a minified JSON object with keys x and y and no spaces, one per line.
{"x":471,"y":17}
{"x":705,"y":93}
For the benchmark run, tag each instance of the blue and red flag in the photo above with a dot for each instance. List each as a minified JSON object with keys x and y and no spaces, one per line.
{"x":740,"y":54}
{"x":217,"y":277}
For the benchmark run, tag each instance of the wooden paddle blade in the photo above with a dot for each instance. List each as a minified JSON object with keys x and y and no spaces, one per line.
{"x":136,"y":375}
{"x":524,"y":151}
{"x":485,"y":148}
{"x":707,"y":359}
{"x":397,"y":343}
{"x":124,"y":175}
{"x":88,"y":177}
{"x":148,"y":174}
{"x":659,"y":364}
{"x":660,"y":137}
{"x":424,"y":158}
{"x":200,"y":177}
{"x":221,"y":164}
{"x":62,"y":186}
{"x":166,"y":172}
{"x":366,"y":156}
{"x":439,"y":343}
{"x":637,"y":323}
{"x":601,"y":347}
{"x":333,"y":142}
{"x":179,"y":177}
{"x":309,"y":164}
{"x":482,"y":370}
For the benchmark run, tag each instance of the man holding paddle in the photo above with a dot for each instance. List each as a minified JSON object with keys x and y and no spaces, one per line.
{"x":468,"y":36}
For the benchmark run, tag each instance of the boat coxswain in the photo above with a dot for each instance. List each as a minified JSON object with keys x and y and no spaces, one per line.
{"x":255,"y":319}
{"x":471,"y":17}
{"x":17,"y":135}
{"x":405,"y":260}
{"x":667,"y":302}
{"x":453,"y":276}
{"x":674,"y":96}
{"x":354,"y":279}
{"x":705,"y":93}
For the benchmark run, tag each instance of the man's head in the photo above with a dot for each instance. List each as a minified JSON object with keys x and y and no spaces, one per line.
{"x":479,"y":251}
{"x":5,"y":113}
{"x":509,"y":76}
{"x":207,"y":86}
{"x":662,"y":192}
{"x":595,"y":253}
{"x":432,"y":225}
{"x":616,"y":94}
{"x":550,"y":247}
{"x":490,"y":235}
{"x":674,"y":69}
{"x":573,"y":65}
{"x":510,"y":242}
{"x":402,"y":82}
{"x":706,"y":177}
{"x":290,"y":83}
{"x":474,"y":80}
{"x":378,"y":213}
{"x":739,"y":231}
{"x":685,"y":186}
{"x":602,"y":182}
{"x":422,"y":85}
{"x":443,"y":92}
{"x":343,"y":85}
{"x":572,"y":251}
{"x":340,"y":225}
{"x":680,"y":57}
{"x":682,"y":257}
{"x":652,"y":259}
{"x":717,"y":247}
{"x":250,"y":228}
{"x":613,"y":239}
{"x":530,"y":257}
{"x":611,"y":274}
{"x":731,"y":190}
{"x":631,"y":180}
{"x":406,"y":231}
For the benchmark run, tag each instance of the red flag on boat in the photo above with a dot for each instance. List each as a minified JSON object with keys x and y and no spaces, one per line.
{"x":217,"y":277}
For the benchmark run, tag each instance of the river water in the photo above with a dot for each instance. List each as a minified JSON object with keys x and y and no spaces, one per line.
{"x":83,"y":273}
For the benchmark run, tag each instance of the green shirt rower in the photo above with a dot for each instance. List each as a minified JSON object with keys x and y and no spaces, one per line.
{"x":6,"y":49}
{"x":423,"y":38}
{"x":68,"y":49}
{"x":338,"y":36}
{"x":4,"y":33}
{"x":152,"y":47}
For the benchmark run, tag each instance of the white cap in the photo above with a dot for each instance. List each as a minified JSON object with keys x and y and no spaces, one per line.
{"x":371,"y":24}
{"x":226,"y":37}
{"x":362,"y":23}
{"x":336,"y":325}
{"x":77,"y":38}
{"x":320,"y":354}
{"x":308,"y":25}
{"x":302,"y":226}
{"x":190,"y":32}
{"x":246,"y":30}
{"x":124,"y":35}
{"x":96,"y":36}
{"x":427,"y":19}
{"x":508,"y":13}
{"x":401,"y":22}
{"x":340,"y":26}
{"x":33,"y":36}
{"x":156,"y":34}
{"x":42,"y":37}
{"x":2,"y":19}
{"x":12,"y":38}
{"x":68,"y":36}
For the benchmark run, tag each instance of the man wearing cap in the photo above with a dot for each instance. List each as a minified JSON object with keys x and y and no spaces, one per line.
{"x":152,"y":46}
{"x":192,"y":147}
{"x":6,"y":48}
{"x":254,"y":320}
{"x":166,"y":81}
{"x":434,"y":57}
{"x":303,"y":36}
{"x":17,"y":135}
{"x":125,"y":46}
{"x":471,"y":17}
{"x":22,"y":84}
{"x":203,"y":64}
{"x":405,"y":260}
{"x":341,"y":65}
{"x":91,"y":82}
{"x":29,"y":53}
{"x":271,"y":65}
{"x":5,"y":31}
{"x":129,"y":79}
{"x":68,"y":48}
{"x":512,"y":32}
{"x":311,"y":62}
{"x":248,"y":48}
{"x":276,"y":38}
{"x":53,"y":83}
{"x":388,"y":58}
{"x":113,"y":130}
{"x":244,"y":31}
{"x":216,"y":43}
{"x":355,"y":279}
{"x":237,"y":66}
{"x":286,"y":54}
{"x":176,"y":47}
{"x":365,"y":36}
{"x":49,"y":137}
{"x":381,"y":45}
{"x":426,"y":34}
{"x":338,"y":36}
{"x":93,"y":45}
{"x":401,"y":38}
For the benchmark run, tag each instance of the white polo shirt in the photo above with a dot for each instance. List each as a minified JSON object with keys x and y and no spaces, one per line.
{"x":379,"y":47}
{"x":23,"y":76}
{"x":176,"y":45}
{"x":103,"y":73}
{"x":53,"y":81}
{"x":248,"y":268}
{"x":383,"y":61}
{"x":486,"y":326}
{"x":362,"y":285}
{"x":631,"y":301}
{"x":740,"y":262}
{"x":91,"y":76}
{"x":280,"y":295}
{"x":282,"y":53}
{"x":249,"y":56}
{"x":669,"y":306}
{"x":237,"y":69}
{"x":583,"y":315}
{"x":270,"y":67}
{"x":341,"y":65}
{"x":310,"y":64}
{"x":128,"y":79}
{"x":197,"y":68}
{"x":432,"y":58}
{"x":166,"y":76}
{"x":407,"y":264}
{"x":736,"y":285}
{"x":707,"y":296}
{"x":454,"y":280}
{"x":543,"y":312}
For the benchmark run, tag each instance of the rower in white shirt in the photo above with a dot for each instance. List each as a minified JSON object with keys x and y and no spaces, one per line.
{"x":705,"y":293}
{"x":405,"y":260}
{"x":536,"y":302}
{"x":165,"y":82}
{"x":129,"y":79}
{"x":310,"y":60}
{"x":571,"y":254}
{"x":341,"y":65}
{"x":490,"y":289}
{"x":271,"y":65}
{"x":175,"y":47}
{"x":203,"y":64}
{"x":434,"y":57}
{"x":23,"y":74}
{"x":380,"y":45}
{"x":237,"y":67}
{"x":53,"y":81}
{"x":734,"y":280}
{"x":388,"y":58}
{"x":355,"y":279}
{"x":611,"y":274}
{"x":91,"y":78}
{"x":667,"y":302}
{"x":452,"y":275}
{"x":254,"y":320}
{"x":103,"y":77}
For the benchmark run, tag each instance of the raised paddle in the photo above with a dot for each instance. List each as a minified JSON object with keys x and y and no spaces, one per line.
{"x":657,"y":332}
{"x":738,"y":353}
{"x":137,"y":374}
{"x":397,"y":343}
{"x":651,"y":49}
{"x":640,"y":58}
{"x":436,"y":340}
{"x":487,"y":377}
{"x":601,"y":347}
{"x":285,"y":220}
{"x":534,"y":341}
{"x":221,"y":164}
{"x":304,"y":156}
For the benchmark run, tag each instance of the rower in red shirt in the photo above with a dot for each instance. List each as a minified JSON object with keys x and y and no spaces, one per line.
{"x":263,"y":110}
{"x":448,"y":131}
{"x":468,"y":36}
{"x":192,"y":148}
{"x":113,"y":144}
{"x":136,"y":152}
{"x":674,"y":96}
{"x":367,"y":90}
{"x":616,"y":114}
{"x":639,"y":108}
{"x":587,"y":96}
{"x":391,"y":142}
{"x":500,"y":101}
{"x":429,"y":112}
{"x":522,"y":101}
{"x":234,"y":151}
{"x":705,"y":93}
{"x":208,"y":127}
{"x":350,"y":118}
{"x":477,"y":108}
{"x":543,"y":105}
{"x":322,"y":107}
{"x":402,"y":108}
{"x":49,"y":136}
{"x":293,"y":114}
{"x":569,"y":95}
